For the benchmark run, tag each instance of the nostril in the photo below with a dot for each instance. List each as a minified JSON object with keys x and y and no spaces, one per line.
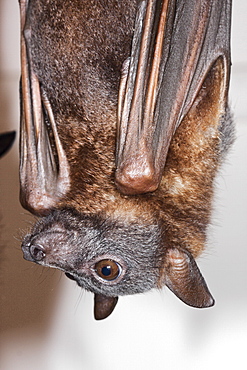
{"x":37,"y":252}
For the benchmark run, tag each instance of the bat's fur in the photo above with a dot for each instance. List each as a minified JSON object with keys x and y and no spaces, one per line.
{"x":78,"y":63}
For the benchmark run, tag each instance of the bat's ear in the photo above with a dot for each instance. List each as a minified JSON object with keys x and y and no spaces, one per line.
{"x":183,"y":277}
{"x":6,"y":141}
{"x":103,"y":306}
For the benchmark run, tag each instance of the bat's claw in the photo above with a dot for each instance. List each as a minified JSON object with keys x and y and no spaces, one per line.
{"x":136,"y":178}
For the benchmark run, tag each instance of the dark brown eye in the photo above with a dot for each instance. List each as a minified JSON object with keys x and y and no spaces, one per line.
{"x":108,"y":269}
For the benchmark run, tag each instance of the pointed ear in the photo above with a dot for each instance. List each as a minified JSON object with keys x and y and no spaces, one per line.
{"x":183,"y":278}
{"x":103,"y":306}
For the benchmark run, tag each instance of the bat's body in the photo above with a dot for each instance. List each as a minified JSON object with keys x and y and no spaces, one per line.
{"x":122,"y":136}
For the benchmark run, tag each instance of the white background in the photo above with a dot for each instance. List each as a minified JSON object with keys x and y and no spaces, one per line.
{"x":46,"y":321}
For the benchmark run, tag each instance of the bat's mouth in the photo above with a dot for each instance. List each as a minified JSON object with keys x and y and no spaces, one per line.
{"x":70,"y":276}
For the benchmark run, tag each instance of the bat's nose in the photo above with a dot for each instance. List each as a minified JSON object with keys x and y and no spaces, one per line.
{"x":33,"y":252}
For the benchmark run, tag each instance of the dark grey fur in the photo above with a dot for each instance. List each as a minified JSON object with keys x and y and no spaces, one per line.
{"x":73,"y":242}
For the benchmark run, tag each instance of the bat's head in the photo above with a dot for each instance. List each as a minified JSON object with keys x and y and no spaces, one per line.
{"x":113,"y":257}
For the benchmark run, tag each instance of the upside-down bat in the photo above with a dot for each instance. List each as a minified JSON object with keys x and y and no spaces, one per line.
{"x":124,"y":124}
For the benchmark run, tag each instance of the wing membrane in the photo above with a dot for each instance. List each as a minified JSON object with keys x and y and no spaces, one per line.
{"x":174,"y":46}
{"x":43,"y":180}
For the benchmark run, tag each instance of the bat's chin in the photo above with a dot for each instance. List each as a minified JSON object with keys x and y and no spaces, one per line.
{"x":103,"y":305}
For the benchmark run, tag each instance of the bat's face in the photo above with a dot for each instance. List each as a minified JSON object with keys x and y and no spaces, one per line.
{"x":102,"y":255}
{"x":112,"y":258}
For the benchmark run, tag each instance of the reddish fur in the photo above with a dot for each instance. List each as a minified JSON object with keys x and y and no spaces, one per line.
{"x":83,"y":93}
{"x":193,"y":160}
{"x":77,"y":51}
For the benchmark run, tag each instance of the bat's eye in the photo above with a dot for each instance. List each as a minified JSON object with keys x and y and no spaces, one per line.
{"x":108,"y":269}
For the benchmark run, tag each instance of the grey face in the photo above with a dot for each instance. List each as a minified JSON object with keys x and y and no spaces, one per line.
{"x":105,"y":256}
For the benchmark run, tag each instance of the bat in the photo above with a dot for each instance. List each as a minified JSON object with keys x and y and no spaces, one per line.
{"x":6,"y":141}
{"x":124,"y":124}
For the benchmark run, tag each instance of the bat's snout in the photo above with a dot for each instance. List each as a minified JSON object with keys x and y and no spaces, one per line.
{"x":37,"y":252}
{"x":49,"y":247}
{"x":33,"y":252}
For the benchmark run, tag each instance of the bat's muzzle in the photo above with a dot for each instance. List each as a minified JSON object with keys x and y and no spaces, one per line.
{"x":33,"y":253}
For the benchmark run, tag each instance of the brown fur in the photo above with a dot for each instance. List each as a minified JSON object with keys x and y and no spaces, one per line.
{"x":183,"y":201}
{"x":77,"y":52}
{"x":84,"y":99}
